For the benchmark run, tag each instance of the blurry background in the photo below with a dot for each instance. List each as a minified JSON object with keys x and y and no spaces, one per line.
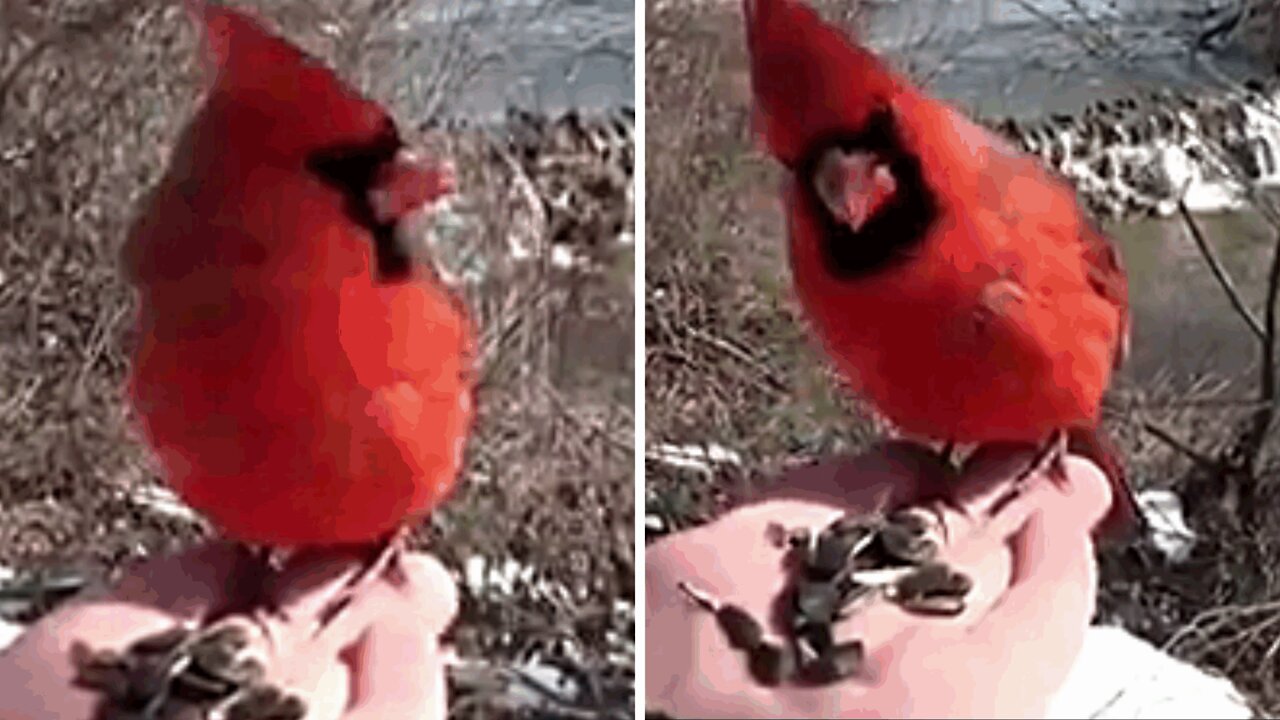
{"x":541,"y":55}
{"x":540,"y":534}
{"x":736,"y":391}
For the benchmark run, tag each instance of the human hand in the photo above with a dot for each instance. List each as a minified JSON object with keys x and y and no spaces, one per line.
{"x":1034,"y":587}
{"x":380,"y":658}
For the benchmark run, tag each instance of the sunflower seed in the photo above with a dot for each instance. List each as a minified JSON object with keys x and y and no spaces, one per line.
{"x":771,"y":663}
{"x":149,"y":680}
{"x":830,"y":555}
{"x":937,"y":605}
{"x":254,"y":703}
{"x":233,"y":636}
{"x":215,"y":659}
{"x":293,"y":708}
{"x":934,"y":589}
{"x":935,"y":579}
{"x":200,"y":688}
{"x":850,"y":524}
{"x":246,"y":672}
{"x":912,"y":520}
{"x":104,"y":671}
{"x":813,"y":642}
{"x":265,"y":702}
{"x":162,"y":642}
{"x":904,"y":545}
{"x":842,"y":661}
{"x":744,"y":632}
{"x":816,"y":602}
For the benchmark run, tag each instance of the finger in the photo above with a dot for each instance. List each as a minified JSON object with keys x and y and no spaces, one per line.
{"x":184,"y":584}
{"x":396,"y":665}
{"x":1078,"y":497}
{"x":989,"y":473}
{"x":1051,"y":561}
{"x":894,"y":473}
{"x":1041,"y":619}
{"x":987,"y":490}
{"x":311,"y":579}
{"x":996,"y":458}
{"x":307,"y":587}
{"x":1051,"y":549}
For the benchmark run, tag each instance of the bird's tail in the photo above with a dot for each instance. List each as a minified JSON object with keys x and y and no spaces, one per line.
{"x":1124,"y":519}
{"x":808,"y":77}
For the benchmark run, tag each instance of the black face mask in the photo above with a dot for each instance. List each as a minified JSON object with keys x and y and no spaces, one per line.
{"x":896,"y":227}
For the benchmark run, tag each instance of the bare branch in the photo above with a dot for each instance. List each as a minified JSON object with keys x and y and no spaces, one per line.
{"x":1249,"y":447}
{"x":1220,"y":273}
{"x":1204,"y":461}
{"x":1268,"y":351}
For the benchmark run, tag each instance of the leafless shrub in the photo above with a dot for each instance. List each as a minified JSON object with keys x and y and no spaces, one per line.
{"x":726,"y":356}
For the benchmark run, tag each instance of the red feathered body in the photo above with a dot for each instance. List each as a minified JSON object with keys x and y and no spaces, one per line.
{"x":992,"y":329}
{"x":291,"y":396}
{"x":978,"y":303}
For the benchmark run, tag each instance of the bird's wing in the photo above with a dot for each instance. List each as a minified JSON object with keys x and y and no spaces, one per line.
{"x":1107,"y":278}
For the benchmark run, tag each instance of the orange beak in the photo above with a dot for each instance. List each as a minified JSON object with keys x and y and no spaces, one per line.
{"x":853,"y":185}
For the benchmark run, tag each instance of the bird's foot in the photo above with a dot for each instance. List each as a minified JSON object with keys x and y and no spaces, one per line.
{"x":382,"y":560}
{"x":1050,"y":459}
{"x":947,"y":453}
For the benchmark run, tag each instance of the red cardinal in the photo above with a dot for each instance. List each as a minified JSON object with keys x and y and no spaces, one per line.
{"x":304,"y":382}
{"x":955,"y":282}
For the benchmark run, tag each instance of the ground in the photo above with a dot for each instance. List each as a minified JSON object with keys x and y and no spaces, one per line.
{"x":728,"y":364}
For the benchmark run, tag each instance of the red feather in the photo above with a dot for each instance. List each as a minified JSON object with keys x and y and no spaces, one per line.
{"x":292,"y":396}
{"x":977,"y":303}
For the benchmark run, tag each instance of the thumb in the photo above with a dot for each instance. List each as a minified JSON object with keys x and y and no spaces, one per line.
{"x":1040,"y":620}
{"x":397,"y":664}
{"x":1054,"y":576}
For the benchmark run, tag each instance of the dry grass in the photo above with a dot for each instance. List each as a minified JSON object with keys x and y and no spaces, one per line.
{"x":726,"y":357}
{"x":91,"y":96}
{"x":550,"y":478}
{"x":728,"y":362}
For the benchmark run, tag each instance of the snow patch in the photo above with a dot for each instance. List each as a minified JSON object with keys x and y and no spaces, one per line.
{"x":700,"y":458}
{"x":9,"y":633}
{"x":1119,"y":676}
{"x":162,"y":500}
{"x":1169,"y":531}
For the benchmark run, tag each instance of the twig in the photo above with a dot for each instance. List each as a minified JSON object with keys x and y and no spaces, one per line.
{"x":1221,"y":28}
{"x":765,"y":377}
{"x":1220,"y":273}
{"x":1251,"y":442}
{"x":1188,"y":402}
{"x":1061,"y":27}
{"x":591,"y":429}
{"x":1268,"y":351}
{"x":1199,"y":458}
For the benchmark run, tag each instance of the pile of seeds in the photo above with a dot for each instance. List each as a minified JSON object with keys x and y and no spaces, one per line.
{"x":835,"y":572}
{"x":181,"y":674}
